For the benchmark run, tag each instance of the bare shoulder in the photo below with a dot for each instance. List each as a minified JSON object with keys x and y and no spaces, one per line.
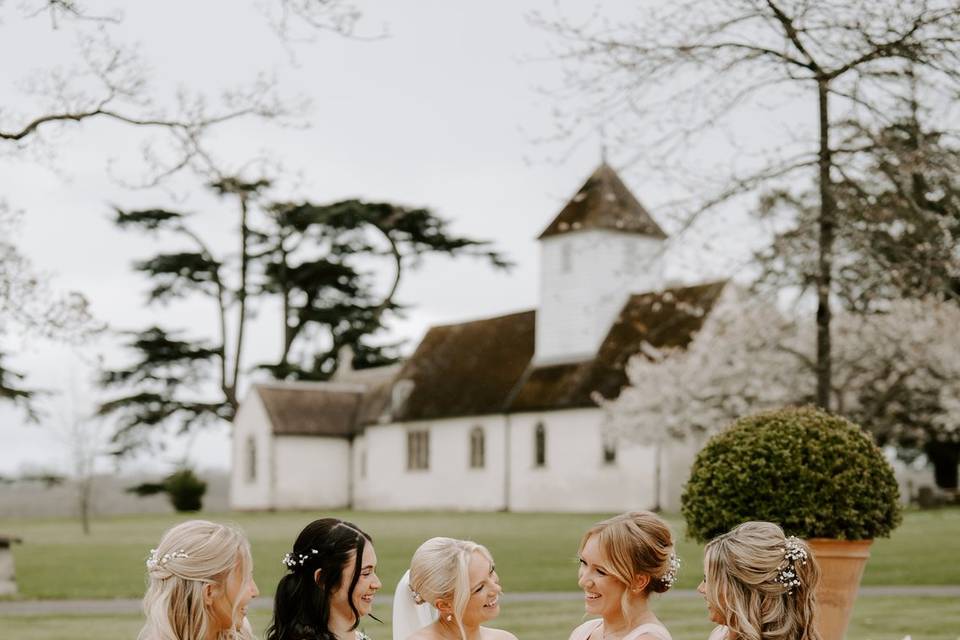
{"x":496,"y":634}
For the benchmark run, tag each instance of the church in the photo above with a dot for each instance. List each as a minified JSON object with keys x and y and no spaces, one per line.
{"x":495,"y":414}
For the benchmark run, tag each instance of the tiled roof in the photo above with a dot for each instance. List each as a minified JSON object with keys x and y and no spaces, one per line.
{"x":311,"y":409}
{"x":484,"y":367}
{"x":604,"y":202}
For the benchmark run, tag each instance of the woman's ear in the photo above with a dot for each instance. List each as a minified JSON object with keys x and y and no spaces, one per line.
{"x":443,"y":606}
{"x":208,"y":594}
{"x":316,"y":577}
{"x":640,"y":584}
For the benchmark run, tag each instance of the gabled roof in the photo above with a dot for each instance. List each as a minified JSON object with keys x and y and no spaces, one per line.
{"x":311,"y":409}
{"x":665,"y":319}
{"x":604,"y":202}
{"x":484,"y":367}
{"x":466,"y":369}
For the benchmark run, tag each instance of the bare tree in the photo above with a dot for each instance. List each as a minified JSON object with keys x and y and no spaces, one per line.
{"x":111,"y":82}
{"x":686,"y":68}
{"x":30,"y":308}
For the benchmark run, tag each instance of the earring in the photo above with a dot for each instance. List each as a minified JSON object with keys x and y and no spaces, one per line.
{"x":449,"y":617}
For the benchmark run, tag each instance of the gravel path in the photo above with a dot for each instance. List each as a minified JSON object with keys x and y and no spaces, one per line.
{"x":131,"y":605}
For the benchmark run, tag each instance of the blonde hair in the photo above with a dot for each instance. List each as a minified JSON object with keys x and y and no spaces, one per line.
{"x":440,"y":569}
{"x":191,"y":555}
{"x":636,"y":543}
{"x":742,"y":572}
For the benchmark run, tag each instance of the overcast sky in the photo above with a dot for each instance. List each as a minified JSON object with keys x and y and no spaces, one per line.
{"x":444,"y":111}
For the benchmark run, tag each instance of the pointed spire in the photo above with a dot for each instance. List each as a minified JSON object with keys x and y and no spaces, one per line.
{"x":604,"y":202}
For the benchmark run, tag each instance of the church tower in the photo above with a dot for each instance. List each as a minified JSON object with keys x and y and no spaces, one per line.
{"x":602,"y":247}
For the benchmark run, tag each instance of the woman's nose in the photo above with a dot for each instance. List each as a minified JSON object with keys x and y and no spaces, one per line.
{"x":254,"y":589}
{"x":702,"y":588}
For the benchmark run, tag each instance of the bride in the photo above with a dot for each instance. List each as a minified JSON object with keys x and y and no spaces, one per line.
{"x":451,"y":589}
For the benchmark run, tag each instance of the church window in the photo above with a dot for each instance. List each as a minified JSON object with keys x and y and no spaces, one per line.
{"x":609,"y":453}
{"x":418,"y":450}
{"x":251,"y":459}
{"x":566,"y":257}
{"x":477,"y":446}
{"x":540,"y":446}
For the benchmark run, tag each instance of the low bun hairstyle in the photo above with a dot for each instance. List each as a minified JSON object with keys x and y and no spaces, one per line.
{"x":301,"y":609}
{"x":188,"y":557}
{"x":440,"y":570}
{"x":637,"y":543}
{"x":743,"y":570}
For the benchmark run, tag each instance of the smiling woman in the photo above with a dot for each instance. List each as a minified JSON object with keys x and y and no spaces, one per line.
{"x":330,"y":584}
{"x":200,"y":583}
{"x":458,"y":580}
{"x":623,"y":560}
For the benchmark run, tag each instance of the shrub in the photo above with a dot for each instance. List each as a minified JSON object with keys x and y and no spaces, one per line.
{"x":815,"y":474}
{"x":183,"y":487}
{"x":186,"y":490}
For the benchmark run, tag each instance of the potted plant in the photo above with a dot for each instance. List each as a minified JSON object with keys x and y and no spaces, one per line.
{"x":817,"y":475}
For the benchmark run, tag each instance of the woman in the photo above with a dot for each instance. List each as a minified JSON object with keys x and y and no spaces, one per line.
{"x":760,"y":584}
{"x":457,"y":582}
{"x":622,"y":561}
{"x":330,"y":584}
{"x":200,"y":580}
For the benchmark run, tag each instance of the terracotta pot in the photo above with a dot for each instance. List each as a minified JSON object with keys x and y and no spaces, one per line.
{"x":841,"y":567}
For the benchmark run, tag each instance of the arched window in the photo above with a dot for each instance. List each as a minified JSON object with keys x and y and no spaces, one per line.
{"x":540,"y":446}
{"x":477,"y":448}
{"x":566,"y":257}
{"x":251,"y":459}
{"x":610,"y":453}
{"x":418,"y":450}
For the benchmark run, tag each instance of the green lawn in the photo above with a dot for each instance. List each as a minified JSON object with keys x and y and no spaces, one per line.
{"x":874,"y":618}
{"x":534,"y":552}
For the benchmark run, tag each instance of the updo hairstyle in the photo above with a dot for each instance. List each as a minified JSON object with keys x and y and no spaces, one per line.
{"x":637,"y":543}
{"x":440,"y":570}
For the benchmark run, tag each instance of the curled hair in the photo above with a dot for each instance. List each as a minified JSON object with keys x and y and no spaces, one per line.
{"x":636,"y":543}
{"x":440,"y":570}
{"x":192,"y":555}
{"x":301,"y":607}
{"x":744,"y":583}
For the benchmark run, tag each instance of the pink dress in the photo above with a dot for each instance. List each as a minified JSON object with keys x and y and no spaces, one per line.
{"x":653,"y":629}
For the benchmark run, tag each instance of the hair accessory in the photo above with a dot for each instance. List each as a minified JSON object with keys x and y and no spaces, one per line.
{"x":155,"y":560}
{"x":793,"y":552}
{"x":297,"y":560}
{"x":417,"y":598}
{"x":673,"y":567}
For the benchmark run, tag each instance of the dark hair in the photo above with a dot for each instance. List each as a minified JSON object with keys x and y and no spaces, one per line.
{"x":301,"y":607}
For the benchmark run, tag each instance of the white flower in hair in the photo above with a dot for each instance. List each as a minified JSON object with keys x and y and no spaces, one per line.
{"x":155,"y":560}
{"x":793,"y":552}
{"x":673,"y":567}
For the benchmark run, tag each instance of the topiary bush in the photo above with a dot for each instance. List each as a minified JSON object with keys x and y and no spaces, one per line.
{"x":815,"y":474}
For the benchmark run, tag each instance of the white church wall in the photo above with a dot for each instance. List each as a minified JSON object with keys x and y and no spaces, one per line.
{"x":575,"y":476}
{"x":585,"y":279}
{"x":250,"y":489}
{"x":449,"y":482}
{"x":311,"y":472}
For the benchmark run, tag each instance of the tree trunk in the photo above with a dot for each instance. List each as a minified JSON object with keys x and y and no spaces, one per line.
{"x":827,"y":224}
{"x":658,"y":464}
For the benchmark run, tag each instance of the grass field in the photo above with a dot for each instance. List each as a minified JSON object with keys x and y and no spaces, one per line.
{"x":874,"y":618}
{"x":534,"y":552}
